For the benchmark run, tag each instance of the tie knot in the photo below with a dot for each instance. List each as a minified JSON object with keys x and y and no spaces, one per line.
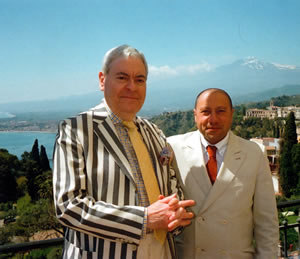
{"x":129,"y":124}
{"x":211,"y":150}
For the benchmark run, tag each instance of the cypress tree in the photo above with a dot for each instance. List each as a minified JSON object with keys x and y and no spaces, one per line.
{"x":35,"y":154}
{"x":45,"y":166}
{"x":277,"y":135}
{"x":288,"y":178}
{"x":33,"y":169}
{"x":296,"y":167}
{"x":290,"y":133}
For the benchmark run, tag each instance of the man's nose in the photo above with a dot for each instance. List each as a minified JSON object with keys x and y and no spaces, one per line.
{"x":213,"y":117}
{"x":131,"y":84}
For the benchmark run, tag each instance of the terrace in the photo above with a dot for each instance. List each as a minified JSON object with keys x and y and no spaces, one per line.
{"x":284,"y":249}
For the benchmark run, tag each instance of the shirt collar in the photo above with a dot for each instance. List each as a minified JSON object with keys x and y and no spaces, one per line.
{"x":114,"y":118}
{"x":221,"y":145}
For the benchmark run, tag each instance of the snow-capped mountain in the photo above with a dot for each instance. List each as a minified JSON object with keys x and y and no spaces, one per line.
{"x":250,"y":75}
{"x":254,"y":63}
{"x":247,"y":79}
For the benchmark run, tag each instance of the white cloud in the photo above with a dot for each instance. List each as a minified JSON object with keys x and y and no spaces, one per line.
{"x":162,"y":71}
{"x":280,"y":66}
{"x":167,"y":71}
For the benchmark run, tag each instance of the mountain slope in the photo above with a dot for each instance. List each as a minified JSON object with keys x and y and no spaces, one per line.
{"x":245,"y":80}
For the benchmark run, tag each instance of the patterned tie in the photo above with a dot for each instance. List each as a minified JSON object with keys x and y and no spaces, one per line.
{"x":212,"y":163}
{"x":147,"y":171}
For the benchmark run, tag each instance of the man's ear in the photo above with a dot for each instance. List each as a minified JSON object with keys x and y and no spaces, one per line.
{"x":101,"y":80}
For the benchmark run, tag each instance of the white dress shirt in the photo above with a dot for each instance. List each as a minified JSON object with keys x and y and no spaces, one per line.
{"x":221,"y":148}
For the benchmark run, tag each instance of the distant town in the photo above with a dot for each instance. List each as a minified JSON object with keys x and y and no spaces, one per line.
{"x":42,"y":122}
{"x":23,"y":125}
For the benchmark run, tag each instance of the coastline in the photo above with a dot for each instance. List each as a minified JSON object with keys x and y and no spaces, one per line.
{"x":17,"y":142}
{"x":26,"y":131}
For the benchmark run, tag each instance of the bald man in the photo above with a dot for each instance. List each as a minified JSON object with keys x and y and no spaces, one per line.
{"x":236,"y":215}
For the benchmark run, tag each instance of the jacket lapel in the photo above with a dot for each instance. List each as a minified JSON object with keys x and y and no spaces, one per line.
{"x":196,"y":176}
{"x":105,"y":130}
{"x":233,"y":160}
{"x":154,"y":146}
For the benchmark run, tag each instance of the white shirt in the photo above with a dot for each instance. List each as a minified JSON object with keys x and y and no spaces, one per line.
{"x":221,"y":148}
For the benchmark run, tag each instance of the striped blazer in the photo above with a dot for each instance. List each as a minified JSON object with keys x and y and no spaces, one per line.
{"x":95,"y":195}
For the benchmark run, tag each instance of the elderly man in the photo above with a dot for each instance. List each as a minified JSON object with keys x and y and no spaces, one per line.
{"x":110,"y":189}
{"x":230,"y":180}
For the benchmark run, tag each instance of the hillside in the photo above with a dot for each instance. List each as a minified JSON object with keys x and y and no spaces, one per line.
{"x":175,"y":122}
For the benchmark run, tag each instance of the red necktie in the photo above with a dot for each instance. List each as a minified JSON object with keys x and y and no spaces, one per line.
{"x":211,"y":165}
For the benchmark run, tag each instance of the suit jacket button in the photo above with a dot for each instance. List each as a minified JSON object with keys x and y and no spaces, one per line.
{"x":200,"y":219}
{"x":200,"y":250}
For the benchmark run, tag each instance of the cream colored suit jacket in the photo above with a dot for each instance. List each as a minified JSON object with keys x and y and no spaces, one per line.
{"x":238,"y":209}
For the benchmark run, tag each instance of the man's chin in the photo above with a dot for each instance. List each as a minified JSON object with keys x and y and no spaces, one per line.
{"x":212,"y":138}
{"x":130,"y":109}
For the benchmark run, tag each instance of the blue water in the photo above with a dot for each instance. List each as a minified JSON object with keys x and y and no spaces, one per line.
{"x":18,"y":142}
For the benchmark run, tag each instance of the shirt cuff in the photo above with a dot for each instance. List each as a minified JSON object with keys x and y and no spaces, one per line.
{"x":145,"y":222}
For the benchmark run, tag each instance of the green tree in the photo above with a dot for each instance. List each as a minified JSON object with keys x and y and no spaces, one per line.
{"x":44,"y":182}
{"x":31,"y":169}
{"x":243,"y":110}
{"x":22,"y":183}
{"x":33,"y":216}
{"x":35,"y":153}
{"x":290,"y":132}
{"x":9,"y":165}
{"x":33,"y":164}
{"x":276,"y":129}
{"x":172,"y":123}
{"x":288,"y":178}
{"x":44,"y":161}
{"x":296,"y":166}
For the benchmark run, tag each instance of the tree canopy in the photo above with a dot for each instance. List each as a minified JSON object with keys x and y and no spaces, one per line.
{"x":289,"y":162}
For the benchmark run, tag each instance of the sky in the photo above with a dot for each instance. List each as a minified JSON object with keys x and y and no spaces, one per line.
{"x":54,"y":48}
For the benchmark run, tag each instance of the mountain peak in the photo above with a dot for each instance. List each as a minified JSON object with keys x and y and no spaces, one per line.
{"x":253,"y":62}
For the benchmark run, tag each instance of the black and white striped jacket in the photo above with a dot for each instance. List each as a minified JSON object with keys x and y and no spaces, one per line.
{"x":95,"y":195}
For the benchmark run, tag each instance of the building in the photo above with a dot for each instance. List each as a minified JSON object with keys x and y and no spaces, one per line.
{"x":273,"y":150}
{"x":260,"y":113}
{"x":273,"y":112}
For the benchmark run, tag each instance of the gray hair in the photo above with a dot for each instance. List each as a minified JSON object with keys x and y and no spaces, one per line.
{"x":122,"y":51}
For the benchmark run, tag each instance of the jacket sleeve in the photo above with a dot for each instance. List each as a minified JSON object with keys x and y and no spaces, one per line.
{"x":86,"y":210}
{"x":266,"y":231}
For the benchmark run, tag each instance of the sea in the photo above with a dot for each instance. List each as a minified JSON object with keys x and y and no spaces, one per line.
{"x":18,"y":142}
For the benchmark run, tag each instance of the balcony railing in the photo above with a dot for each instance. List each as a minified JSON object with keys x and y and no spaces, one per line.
{"x":285,"y":226}
{"x":27,"y":246}
{"x":23,"y":247}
